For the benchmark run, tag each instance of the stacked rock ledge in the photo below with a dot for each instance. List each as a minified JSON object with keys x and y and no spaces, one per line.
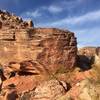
{"x":49,"y":47}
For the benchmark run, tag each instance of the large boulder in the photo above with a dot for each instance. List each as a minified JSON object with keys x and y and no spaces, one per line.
{"x":49,"y":90}
{"x":23,"y":84}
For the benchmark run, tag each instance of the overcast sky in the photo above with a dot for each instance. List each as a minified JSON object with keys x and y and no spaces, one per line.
{"x":79,"y":16}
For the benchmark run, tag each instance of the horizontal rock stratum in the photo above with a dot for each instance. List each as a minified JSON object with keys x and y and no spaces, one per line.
{"x":49,"y":47}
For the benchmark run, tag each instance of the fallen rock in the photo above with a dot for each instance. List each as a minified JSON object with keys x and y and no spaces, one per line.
{"x":10,"y":94}
{"x":24,"y":68}
{"x":79,"y":76}
{"x":49,"y":90}
{"x":84,"y":90}
{"x":23,"y":83}
{"x":31,"y":67}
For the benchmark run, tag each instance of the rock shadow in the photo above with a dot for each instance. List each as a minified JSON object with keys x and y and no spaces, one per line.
{"x":84,"y":62}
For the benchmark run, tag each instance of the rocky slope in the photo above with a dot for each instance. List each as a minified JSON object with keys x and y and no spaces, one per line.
{"x":40,"y":63}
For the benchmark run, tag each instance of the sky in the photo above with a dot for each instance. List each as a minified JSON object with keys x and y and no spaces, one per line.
{"x":79,"y":16}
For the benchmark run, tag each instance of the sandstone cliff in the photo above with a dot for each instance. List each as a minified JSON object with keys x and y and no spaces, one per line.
{"x":49,"y":47}
{"x":39,"y":63}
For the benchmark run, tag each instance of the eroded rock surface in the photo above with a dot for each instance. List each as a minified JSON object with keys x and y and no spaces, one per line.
{"x":88,"y":56}
{"x":49,"y":47}
{"x":23,"y":83}
{"x":49,"y":90}
{"x":39,"y":63}
{"x":84,"y":90}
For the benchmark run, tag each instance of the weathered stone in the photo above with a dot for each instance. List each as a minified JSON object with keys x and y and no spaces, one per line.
{"x":14,"y":66}
{"x":23,"y":83}
{"x":10,"y":95}
{"x":0,"y":24}
{"x":84,"y":90}
{"x":8,"y":20}
{"x":49,"y":90}
{"x":87,"y":56}
{"x":49,"y":47}
{"x":89,"y":52}
{"x":31,"y":56}
{"x":32,"y":67}
{"x":30,"y":23}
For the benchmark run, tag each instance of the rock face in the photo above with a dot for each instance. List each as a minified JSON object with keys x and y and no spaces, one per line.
{"x":49,"y":90}
{"x":97,"y":58}
{"x":87,"y":51}
{"x":49,"y":47}
{"x":23,"y":83}
{"x":10,"y":21}
{"x":35,"y":63}
{"x":88,"y":56}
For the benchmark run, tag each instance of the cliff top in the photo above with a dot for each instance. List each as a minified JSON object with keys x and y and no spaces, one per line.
{"x":10,"y":21}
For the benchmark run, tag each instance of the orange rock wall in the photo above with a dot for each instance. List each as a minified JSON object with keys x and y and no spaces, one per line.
{"x":52,"y":48}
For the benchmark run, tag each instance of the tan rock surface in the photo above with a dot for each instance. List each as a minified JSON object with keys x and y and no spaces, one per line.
{"x":84,"y":90}
{"x":49,"y":90}
{"x":49,"y":47}
{"x":30,"y":56}
{"x":23,"y":83}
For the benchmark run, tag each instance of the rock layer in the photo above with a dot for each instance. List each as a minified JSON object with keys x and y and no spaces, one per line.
{"x":51,"y":48}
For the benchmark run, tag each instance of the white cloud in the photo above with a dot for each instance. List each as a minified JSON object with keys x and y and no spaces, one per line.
{"x":88,"y":17}
{"x":69,"y":4}
{"x":33,"y":14}
{"x":55,"y":9}
{"x":60,"y":6}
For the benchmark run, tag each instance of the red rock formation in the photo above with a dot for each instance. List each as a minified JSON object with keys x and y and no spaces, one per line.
{"x":88,"y":56}
{"x":23,"y":83}
{"x":49,"y":47}
{"x":30,"y":55}
{"x":49,"y":90}
{"x":87,"y":51}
